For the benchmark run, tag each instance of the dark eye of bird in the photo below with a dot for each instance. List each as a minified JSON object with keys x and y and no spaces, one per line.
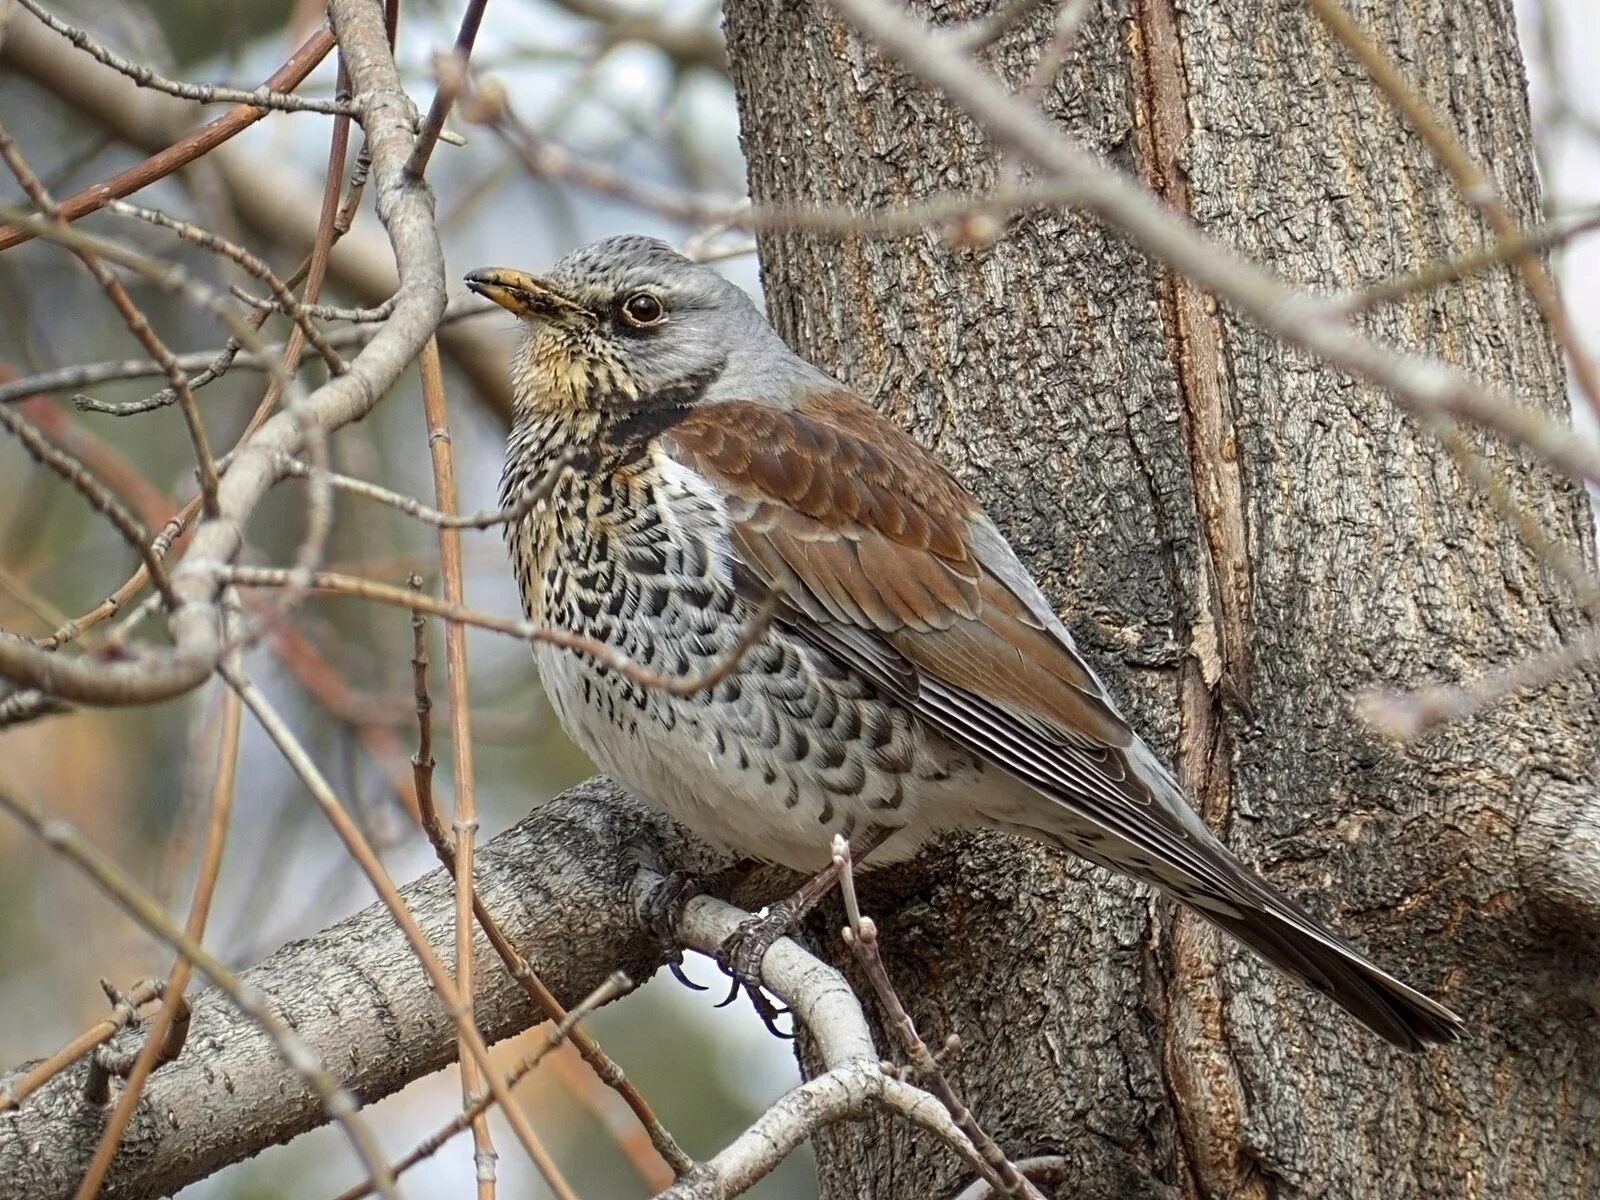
{"x":643,"y":309}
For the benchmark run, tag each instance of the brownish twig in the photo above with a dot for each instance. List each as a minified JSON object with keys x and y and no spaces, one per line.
{"x":157,"y":1048}
{"x":122,"y":1014}
{"x":603,"y":1066}
{"x":90,"y":487}
{"x":359,"y":849}
{"x":608,"y":656}
{"x":465,"y":824}
{"x":65,"y":840}
{"x":286,"y":302}
{"x":567,"y":1027}
{"x":132,"y":316}
{"x":444,"y":97}
{"x":195,"y":145}
{"x":202,"y":93}
{"x":526,"y":500}
{"x":608,"y":1072}
{"x":862,"y":937}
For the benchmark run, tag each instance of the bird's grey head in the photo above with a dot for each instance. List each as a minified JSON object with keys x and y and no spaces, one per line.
{"x":628,"y":320}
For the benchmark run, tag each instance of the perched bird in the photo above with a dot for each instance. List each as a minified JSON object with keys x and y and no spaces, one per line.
{"x":913,"y":681}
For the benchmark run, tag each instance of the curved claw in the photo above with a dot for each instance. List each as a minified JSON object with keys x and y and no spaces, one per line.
{"x":733,"y":991}
{"x":676,"y":967}
{"x":769,"y":1013}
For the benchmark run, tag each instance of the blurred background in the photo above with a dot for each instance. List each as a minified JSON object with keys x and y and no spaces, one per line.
{"x":625,"y":123}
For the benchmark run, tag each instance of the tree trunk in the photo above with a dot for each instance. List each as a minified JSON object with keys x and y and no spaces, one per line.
{"x":1244,"y":539}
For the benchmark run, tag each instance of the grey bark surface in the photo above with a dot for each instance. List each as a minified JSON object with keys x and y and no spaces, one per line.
{"x":1243,"y":539}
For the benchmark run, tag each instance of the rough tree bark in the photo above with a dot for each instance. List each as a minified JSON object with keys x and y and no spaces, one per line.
{"x":1245,"y":539}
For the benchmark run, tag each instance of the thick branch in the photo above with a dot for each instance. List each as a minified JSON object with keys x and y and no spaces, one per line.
{"x":561,"y":883}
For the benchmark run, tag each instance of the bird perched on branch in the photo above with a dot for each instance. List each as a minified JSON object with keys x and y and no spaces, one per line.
{"x":912,"y":679}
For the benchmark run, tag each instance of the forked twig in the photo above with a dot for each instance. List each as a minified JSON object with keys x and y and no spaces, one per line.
{"x":861,"y":935}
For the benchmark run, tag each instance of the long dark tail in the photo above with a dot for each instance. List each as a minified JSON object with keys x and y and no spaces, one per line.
{"x":1294,"y":942}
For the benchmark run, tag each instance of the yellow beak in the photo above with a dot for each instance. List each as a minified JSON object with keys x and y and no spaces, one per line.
{"x":524,"y":294}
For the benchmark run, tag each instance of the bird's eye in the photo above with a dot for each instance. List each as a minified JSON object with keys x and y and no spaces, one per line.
{"x":642,"y":309}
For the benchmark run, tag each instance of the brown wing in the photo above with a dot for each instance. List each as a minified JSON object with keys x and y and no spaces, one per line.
{"x":888,"y":564}
{"x":857,"y":525}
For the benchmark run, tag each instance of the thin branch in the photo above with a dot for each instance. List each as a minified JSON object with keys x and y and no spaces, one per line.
{"x":155,"y":1049}
{"x":1474,"y":183}
{"x":1063,"y":35}
{"x":612,"y":989}
{"x":215,"y":363}
{"x":183,"y":152}
{"x":323,"y":312}
{"x":1450,"y":270}
{"x":606,"y":655}
{"x":339,"y":1104}
{"x":985,"y":31}
{"x":422,"y":765}
{"x":545,"y":159}
{"x":95,"y":492}
{"x":444,"y":96}
{"x":465,"y":825}
{"x":132,"y":316}
{"x":528,"y":498}
{"x":123,"y":1013}
{"x":356,"y":844}
{"x":1406,"y":716}
{"x":148,"y":673}
{"x":1421,"y":385}
{"x":861,"y":935}
{"x":285,"y":298}
{"x":263,"y":97}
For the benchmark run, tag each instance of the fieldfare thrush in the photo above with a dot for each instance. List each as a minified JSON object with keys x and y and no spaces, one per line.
{"x":913,"y":681}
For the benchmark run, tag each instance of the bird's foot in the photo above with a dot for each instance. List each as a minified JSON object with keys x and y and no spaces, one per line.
{"x":664,"y":909}
{"x":742,"y":950}
{"x":741,"y":954}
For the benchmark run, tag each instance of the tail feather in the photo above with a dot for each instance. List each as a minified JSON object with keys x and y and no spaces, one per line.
{"x":1245,"y":906}
{"x":1293,"y":942}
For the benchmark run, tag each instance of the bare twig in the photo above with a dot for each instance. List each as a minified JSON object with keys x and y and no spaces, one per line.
{"x":356,"y":844}
{"x":862,"y":937}
{"x":1421,"y":385}
{"x":122,"y":1015}
{"x":156,"y":1049}
{"x":197,"y":144}
{"x":1436,"y":275}
{"x":535,"y":491}
{"x":422,"y":766}
{"x":285,"y":298}
{"x":138,"y":904}
{"x":95,"y":492}
{"x":465,"y":825}
{"x":1406,"y":716}
{"x":1474,"y":183}
{"x":545,"y":159}
{"x":449,"y":87}
{"x":212,"y":364}
{"x":132,"y":316}
{"x":264,"y":97}
{"x":152,"y":673}
{"x":613,"y":988}
{"x":367,"y":589}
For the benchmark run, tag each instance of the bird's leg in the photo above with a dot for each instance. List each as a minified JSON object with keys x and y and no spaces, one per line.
{"x":665,"y":905}
{"x":742,"y":950}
